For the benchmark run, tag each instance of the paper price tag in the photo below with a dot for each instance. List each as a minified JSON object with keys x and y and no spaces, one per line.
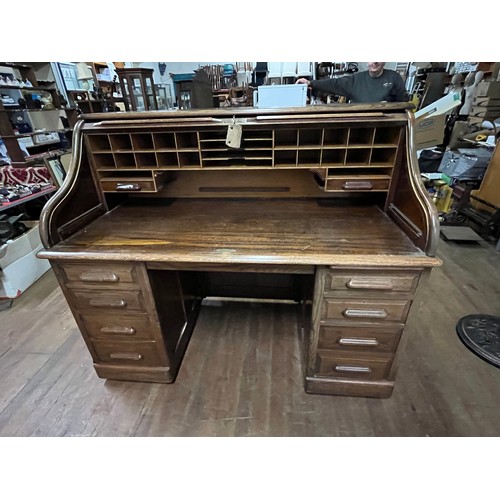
{"x":233,"y":137}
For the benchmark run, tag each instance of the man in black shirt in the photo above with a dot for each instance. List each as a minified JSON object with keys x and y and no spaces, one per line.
{"x":375,"y":85}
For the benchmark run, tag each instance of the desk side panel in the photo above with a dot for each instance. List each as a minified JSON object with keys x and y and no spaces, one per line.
{"x":77,"y":202}
{"x":408,"y":203}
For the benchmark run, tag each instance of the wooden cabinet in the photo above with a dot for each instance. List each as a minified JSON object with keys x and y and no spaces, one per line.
{"x":138,"y":88}
{"x":322,"y":206}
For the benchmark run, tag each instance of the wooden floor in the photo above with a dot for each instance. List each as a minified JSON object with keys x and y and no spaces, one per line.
{"x":241,"y":375}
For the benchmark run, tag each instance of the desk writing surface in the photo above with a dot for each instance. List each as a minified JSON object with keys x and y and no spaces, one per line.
{"x":254,"y":231}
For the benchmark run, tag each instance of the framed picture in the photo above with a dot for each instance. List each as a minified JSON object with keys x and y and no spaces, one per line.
{"x":56,"y":170}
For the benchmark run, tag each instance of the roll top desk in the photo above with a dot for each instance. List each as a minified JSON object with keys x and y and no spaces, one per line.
{"x":320,"y":205}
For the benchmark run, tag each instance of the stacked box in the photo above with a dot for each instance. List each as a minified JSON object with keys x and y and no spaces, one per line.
{"x":19,"y":266}
{"x":486,"y":103}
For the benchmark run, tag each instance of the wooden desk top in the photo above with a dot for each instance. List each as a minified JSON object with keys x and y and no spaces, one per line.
{"x":226,"y":231}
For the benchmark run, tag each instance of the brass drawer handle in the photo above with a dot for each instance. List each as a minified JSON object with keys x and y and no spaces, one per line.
{"x":99,"y":277}
{"x":361,"y":284}
{"x":119,"y":330}
{"x":360,"y":341}
{"x":365,"y":313}
{"x":354,"y":185}
{"x":132,"y":356}
{"x":127,"y":186}
{"x":352,"y":369}
{"x":99,"y":302}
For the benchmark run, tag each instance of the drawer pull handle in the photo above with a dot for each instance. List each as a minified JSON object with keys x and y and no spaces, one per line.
{"x":365,"y":313}
{"x":99,"y":277}
{"x":119,"y":330}
{"x":360,"y":341}
{"x":354,"y":185}
{"x":133,"y":356}
{"x":370,"y":284}
{"x":352,"y":369}
{"x":127,"y":186}
{"x":98,"y":302}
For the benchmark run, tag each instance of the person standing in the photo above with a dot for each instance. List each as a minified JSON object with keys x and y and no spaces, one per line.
{"x":374,"y":85}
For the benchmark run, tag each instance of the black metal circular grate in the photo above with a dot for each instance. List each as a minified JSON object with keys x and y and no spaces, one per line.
{"x":481,"y":334}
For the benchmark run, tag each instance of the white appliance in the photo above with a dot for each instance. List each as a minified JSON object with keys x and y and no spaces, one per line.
{"x":280,"y":96}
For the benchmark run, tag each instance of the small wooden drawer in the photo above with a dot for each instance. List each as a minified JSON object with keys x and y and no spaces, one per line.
{"x":352,"y":367}
{"x":364,"y":282}
{"x":99,"y":273}
{"x":133,"y":185}
{"x":355,"y":184}
{"x":366,"y":310}
{"x":140,"y":181}
{"x":118,"y":327}
{"x":121,"y":300}
{"x":357,"y":339}
{"x":128,"y":353}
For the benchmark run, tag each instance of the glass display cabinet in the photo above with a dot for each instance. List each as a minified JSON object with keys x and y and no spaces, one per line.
{"x":164,"y":96}
{"x":138,"y":88}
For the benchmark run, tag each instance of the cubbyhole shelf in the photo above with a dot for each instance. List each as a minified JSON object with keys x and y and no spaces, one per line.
{"x":360,"y":136}
{"x":335,"y":137}
{"x":142,"y":142}
{"x":242,"y":162}
{"x":309,"y":157}
{"x":189,"y":159}
{"x":124,"y":160}
{"x":167,"y":160}
{"x":98,"y":143}
{"x":286,"y":138}
{"x":164,"y":141}
{"x":145,"y":160}
{"x":120,"y":142}
{"x":186,"y":140}
{"x":104,"y":160}
{"x":383,"y":156}
{"x":387,"y":136}
{"x":310,"y":137}
{"x":333,"y":157}
{"x":359,"y":156}
{"x":285,"y":157}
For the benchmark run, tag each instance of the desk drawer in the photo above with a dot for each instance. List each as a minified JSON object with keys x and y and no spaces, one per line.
{"x":99,"y":273}
{"x":366,"y":310}
{"x":128,"y":353}
{"x":120,"y":300}
{"x":128,"y":185}
{"x":352,"y":367}
{"x":367,"y":282}
{"x":358,"y":339}
{"x":356,"y":184}
{"x":118,"y":327}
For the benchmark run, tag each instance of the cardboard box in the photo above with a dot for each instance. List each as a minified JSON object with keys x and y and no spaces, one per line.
{"x":19,"y":266}
{"x":485,"y":112}
{"x":485,"y":101}
{"x":488,"y":89}
{"x":430,"y":121}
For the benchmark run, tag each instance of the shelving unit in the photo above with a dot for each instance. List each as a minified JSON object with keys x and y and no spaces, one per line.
{"x":41,"y":111}
{"x":349,"y":157}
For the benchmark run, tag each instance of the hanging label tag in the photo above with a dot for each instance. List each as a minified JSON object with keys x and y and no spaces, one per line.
{"x":233,"y":137}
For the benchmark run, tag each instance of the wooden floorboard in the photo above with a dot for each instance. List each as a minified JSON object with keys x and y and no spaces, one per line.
{"x":242,"y":372}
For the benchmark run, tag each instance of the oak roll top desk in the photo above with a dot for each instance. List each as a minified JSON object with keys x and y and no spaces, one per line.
{"x":321,"y":205}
